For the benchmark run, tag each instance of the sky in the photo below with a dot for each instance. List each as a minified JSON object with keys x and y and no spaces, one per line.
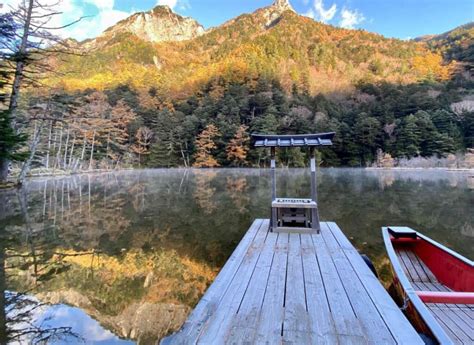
{"x":402,"y":19}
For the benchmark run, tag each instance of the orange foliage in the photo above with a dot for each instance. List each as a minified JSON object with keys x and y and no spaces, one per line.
{"x":205,"y":144}
{"x":237,"y":148}
{"x":430,"y":65}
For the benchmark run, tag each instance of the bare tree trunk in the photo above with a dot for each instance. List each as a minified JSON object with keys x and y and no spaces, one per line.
{"x":34,"y":144}
{"x":49,"y":145}
{"x":187,"y":153}
{"x":20,"y":66}
{"x":107,"y":150}
{"x":57,"y":164}
{"x":184,"y":157}
{"x":71,"y":155}
{"x":92,"y":151}
{"x":54,"y":147}
{"x":83,"y":154}
{"x":66,"y":147}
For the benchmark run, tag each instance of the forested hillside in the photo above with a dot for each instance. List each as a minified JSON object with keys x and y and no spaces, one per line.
{"x":291,"y":48}
{"x":126,"y":101}
{"x":457,"y":44}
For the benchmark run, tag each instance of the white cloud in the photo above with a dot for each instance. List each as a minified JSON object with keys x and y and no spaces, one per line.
{"x":319,"y":12}
{"x":350,"y":18}
{"x":101,"y":4}
{"x":170,"y":3}
{"x":94,"y":26}
{"x":71,"y":10}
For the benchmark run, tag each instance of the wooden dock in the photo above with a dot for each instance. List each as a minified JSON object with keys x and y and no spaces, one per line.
{"x":295,"y":289}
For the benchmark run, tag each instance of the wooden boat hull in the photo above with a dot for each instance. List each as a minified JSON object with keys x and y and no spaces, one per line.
{"x":434,"y":285}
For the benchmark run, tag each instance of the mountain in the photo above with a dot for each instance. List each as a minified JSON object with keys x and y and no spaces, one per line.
{"x":160,"y":24}
{"x":456,"y":44}
{"x":163,"y":50}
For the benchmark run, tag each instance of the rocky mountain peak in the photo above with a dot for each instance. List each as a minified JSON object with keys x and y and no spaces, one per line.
{"x":282,"y":5}
{"x":273,"y":13}
{"x":160,"y":24}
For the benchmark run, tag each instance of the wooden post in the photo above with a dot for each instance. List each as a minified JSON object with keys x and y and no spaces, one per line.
{"x":273,"y":177}
{"x":314,"y":191}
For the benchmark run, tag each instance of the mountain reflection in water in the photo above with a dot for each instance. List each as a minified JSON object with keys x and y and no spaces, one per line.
{"x":126,"y":255}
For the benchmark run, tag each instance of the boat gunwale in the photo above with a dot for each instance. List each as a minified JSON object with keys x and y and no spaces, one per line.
{"x":445,"y":249}
{"x":421,"y":308}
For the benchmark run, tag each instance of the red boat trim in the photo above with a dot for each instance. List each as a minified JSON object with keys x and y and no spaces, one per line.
{"x":421,"y":308}
{"x":446,"y":297}
{"x":404,"y":240}
{"x":447,"y":250}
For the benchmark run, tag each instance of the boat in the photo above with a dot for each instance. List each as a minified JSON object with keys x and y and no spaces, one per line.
{"x":434,"y":284}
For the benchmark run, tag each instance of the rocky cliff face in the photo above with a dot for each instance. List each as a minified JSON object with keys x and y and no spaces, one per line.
{"x":273,"y":13}
{"x":160,"y":24}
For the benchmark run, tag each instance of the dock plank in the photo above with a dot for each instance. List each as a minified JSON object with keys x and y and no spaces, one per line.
{"x":364,"y":308}
{"x":244,"y":323}
{"x":217,"y":326}
{"x":388,"y":310}
{"x":296,"y":323}
{"x":316,"y":299}
{"x":211,"y":299}
{"x":270,"y":324}
{"x":281,"y":288}
{"x":346,"y":322}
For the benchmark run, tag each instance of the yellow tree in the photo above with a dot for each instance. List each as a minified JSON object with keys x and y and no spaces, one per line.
{"x":237,"y":148}
{"x":117,"y":137}
{"x":430,"y":65}
{"x":143,"y":141}
{"x":93,"y":116}
{"x":204,"y":146}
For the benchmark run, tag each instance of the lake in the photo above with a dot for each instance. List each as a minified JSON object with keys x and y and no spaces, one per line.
{"x":118,"y":257}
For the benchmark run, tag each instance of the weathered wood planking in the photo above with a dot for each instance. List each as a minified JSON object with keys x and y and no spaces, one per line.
{"x":386,"y":307}
{"x":453,"y":318}
{"x":280,"y":288}
{"x":360,"y":300}
{"x":208,"y":304}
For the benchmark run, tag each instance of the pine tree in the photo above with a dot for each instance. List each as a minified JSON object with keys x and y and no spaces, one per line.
{"x":10,"y":140}
{"x":408,"y":139}
{"x":237,"y":148}
{"x":204,"y":146}
{"x":10,"y":144}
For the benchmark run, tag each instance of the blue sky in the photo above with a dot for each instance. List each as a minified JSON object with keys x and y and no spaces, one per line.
{"x":392,"y":18}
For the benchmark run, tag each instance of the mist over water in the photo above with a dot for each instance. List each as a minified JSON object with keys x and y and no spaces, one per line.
{"x":115,"y":250}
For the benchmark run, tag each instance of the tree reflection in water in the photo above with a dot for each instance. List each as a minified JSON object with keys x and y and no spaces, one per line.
{"x":136,"y":250}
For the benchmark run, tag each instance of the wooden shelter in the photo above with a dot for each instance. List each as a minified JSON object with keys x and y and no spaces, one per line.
{"x":294,"y":214}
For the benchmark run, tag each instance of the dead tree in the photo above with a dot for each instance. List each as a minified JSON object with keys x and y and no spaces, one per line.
{"x":27,"y":54}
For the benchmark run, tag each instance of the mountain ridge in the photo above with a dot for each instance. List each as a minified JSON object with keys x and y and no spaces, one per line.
{"x":160,"y":24}
{"x":274,"y":40}
{"x":455,"y":44}
{"x":156,"y":25}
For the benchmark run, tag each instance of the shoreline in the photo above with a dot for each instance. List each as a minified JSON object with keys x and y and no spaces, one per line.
{"x":99,"y":171}
{"x":423,"y":168}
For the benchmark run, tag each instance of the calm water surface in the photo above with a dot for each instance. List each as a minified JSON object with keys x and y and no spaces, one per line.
{"x":116,"y":258}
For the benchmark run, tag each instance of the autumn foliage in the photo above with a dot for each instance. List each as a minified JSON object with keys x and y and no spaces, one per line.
{"x":204,"y":146}
{"x":237,"y":148}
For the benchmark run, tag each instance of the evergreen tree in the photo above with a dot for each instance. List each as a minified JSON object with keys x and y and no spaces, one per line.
{"x":10,"y":144}
{"x":367,"y":131}
{"x":468,"y":129}
{"x":10,"y":141}
{"x":408,"y":138}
